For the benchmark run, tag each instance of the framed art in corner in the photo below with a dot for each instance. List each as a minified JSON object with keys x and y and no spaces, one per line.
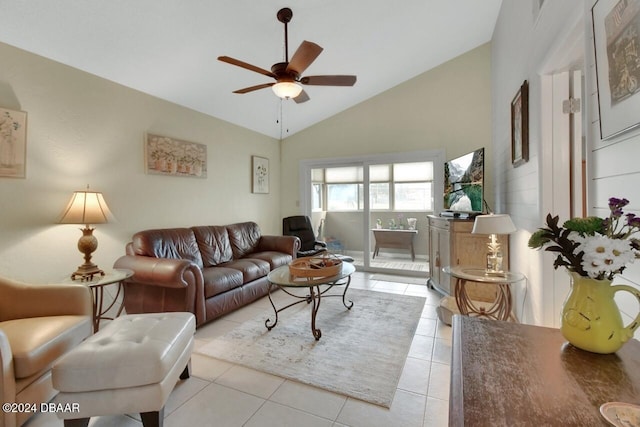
{"x":616,"y":38}
{"x":520,"y":126}
{"x":260,"y":174}
{"x":13,"y":143}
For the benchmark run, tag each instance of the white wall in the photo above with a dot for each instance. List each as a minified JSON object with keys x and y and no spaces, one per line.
{"x":86,"y":130}
{"x":614,"y":171}
{"x":521,"y":50}
{"x":448,"y":107}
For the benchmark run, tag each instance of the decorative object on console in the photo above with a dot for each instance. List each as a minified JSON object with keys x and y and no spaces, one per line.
{"x":86,"y":207}
{"x":594,"y":250}
{"x":616,"y":30}
{"x":168,"y":156}
{"x":520,"y":126}
{"x":260,"y":173}
{"x":13,"y":143}
{"x":493,"y":224}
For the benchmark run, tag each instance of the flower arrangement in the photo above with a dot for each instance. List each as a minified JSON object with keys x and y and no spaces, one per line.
{"x":592,"y":247}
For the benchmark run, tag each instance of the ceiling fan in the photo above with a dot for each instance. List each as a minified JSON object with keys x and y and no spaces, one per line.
{"x":288,"y":74}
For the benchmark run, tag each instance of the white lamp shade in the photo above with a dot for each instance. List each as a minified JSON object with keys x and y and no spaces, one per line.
{"x":287,"y":89}
{"x":86,"y":207}
{"x":493,"y":224}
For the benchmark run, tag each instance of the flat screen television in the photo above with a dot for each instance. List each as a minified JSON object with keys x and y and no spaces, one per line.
{"x":464,"y":183}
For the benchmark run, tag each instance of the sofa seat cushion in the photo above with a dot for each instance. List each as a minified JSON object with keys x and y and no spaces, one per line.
{"x":36,"y":342}
{"x":275,"y":259}
{"x":131,"y":351}
{"x":251,"y":268}
{"x":220,"y":279}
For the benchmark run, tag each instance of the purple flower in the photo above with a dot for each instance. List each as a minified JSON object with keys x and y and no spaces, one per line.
{"x":616,"y":205}
{"x":633,"y":220}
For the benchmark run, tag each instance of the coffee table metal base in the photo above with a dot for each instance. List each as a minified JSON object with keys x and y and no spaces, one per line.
{"x":314,"y":297}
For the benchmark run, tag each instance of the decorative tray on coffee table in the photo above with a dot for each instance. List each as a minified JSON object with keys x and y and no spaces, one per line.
{"x":316,"y":267}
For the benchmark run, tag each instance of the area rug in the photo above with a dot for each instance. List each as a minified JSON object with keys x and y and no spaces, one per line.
{"x":361,"y":353}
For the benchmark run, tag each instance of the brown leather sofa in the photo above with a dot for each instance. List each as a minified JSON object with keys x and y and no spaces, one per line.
{"x":206,"y":270}
{"x":38,"y":324}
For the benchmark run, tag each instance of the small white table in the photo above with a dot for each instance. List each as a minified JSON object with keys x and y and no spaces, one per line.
{"x":500,"y":308}
{"x":97,"y":285}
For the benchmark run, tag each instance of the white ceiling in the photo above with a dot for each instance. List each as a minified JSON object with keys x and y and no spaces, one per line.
{"x":168,"y":48}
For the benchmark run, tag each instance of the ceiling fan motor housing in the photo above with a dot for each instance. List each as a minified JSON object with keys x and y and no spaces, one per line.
{"x":282,"y":75}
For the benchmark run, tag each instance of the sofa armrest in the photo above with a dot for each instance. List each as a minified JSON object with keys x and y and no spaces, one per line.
{"x":19,"y":300}
{"x":7,"y":380}
{"x":163,"y":272}
{"x":158,"y":274}
{"x":286,"y":244}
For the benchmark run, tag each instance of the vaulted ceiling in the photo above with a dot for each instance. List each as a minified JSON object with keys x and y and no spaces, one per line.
{"x":168,"y":48}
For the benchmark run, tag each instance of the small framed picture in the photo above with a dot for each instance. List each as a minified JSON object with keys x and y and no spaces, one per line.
{"x":13,"y":143}
{"x":520,"y":126}
{"x":260,"y":174}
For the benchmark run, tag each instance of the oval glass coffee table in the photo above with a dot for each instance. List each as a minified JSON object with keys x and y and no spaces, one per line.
{"x":282,"y":278}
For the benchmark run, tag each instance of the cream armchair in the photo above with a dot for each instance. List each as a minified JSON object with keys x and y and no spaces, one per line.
{"x":38,"y":324}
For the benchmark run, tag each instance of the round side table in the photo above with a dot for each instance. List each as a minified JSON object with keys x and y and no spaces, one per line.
{"x":500,"y":308}
{"x":97,"y":285}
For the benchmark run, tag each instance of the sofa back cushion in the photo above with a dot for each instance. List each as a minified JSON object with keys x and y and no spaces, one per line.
{"x":174,"y":243}
{"x":244,"y":238}
{"x":214,"y":244}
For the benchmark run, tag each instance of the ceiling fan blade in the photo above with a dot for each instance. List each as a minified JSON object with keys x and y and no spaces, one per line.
{"x":329,"y":80}
{"x":303,"y":97}
{"x":245,"y":65}
{"x":252,"y":88}
{"x":307,"y":53}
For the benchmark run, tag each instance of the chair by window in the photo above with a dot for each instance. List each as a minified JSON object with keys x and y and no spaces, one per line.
{"x":300,"y":226}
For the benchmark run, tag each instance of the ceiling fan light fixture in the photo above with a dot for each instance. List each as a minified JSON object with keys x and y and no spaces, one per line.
{"x":287,"y":89}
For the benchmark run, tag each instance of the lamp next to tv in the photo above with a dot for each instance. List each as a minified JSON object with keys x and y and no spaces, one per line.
{"x":464,"y":184}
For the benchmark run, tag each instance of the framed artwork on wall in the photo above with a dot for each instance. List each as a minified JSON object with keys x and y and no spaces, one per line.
{"x":13,"y":143}
{"x":260,"y":174}
{"x":520,"y":126}
{"x":169,"y":156}
{"x":616,"y":37}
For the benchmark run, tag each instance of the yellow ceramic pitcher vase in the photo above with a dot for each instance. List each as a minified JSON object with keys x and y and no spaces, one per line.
{"x":591,"y":319}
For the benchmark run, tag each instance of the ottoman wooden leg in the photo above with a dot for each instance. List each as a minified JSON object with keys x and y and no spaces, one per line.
{"x":152,"y":419}
{"x":185,"y":374}
{"x":77,"y":422}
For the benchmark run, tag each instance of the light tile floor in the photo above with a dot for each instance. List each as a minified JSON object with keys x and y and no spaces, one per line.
{"x":223,"y":394}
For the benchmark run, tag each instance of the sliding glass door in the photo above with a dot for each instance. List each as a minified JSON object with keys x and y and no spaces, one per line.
{"x":374,"y":208}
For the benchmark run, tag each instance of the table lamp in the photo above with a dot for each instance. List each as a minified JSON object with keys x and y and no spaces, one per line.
{"x":493,"y":224}
{"x":86,"y":207}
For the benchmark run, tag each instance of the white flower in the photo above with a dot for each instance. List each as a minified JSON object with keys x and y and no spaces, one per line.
{"x":604,"y":256}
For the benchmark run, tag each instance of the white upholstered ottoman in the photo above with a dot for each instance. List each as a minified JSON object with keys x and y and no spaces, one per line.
{"x":129,"y":366}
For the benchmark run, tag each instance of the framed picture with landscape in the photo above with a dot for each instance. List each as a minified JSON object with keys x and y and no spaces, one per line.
{"x":520,"y":126}
{"x":174,"y":157}
{"x":616,"y":38}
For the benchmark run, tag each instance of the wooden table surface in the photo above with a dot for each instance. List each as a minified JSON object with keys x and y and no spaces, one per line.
{"x":508,"y":374}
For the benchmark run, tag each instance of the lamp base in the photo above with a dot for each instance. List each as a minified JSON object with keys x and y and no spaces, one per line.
{"x":85,"y":272}
{"x":494,"y":264}
{"x":87,"y":244}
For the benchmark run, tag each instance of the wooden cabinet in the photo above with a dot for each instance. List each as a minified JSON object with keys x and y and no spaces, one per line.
{"x":451,"y":243}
